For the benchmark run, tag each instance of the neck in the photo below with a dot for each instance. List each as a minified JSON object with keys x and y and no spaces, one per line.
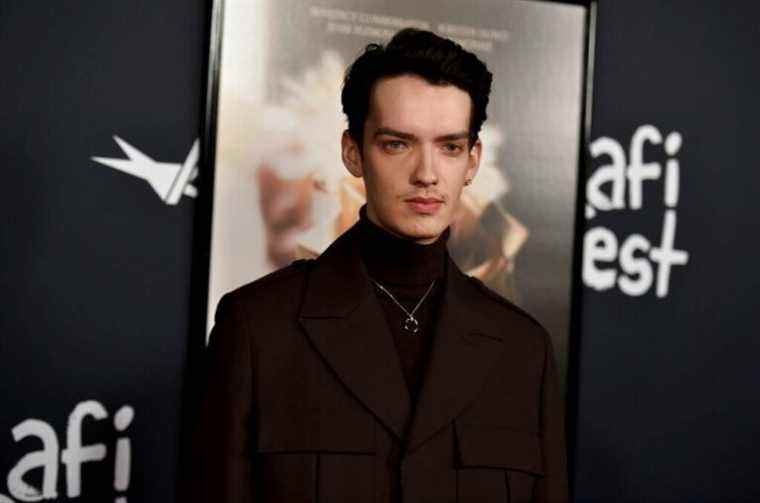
{"x":391,"y":259}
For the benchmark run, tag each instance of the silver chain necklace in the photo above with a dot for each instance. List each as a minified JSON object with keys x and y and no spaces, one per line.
{"x":410,"y":324}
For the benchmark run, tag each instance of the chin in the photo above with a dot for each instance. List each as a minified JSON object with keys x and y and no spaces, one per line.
{"x":425,"y":231}
{"x":413,"y":226}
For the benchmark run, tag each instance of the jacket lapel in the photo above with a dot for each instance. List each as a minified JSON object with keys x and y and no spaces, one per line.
{"x":464,"y":350}
{"x":345,"y":323}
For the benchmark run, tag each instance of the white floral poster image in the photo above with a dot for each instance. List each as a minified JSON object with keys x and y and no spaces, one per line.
{"x":282,"y":192}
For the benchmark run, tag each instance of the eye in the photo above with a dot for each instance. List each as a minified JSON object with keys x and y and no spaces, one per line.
{"x":394,"y":145}
{"x":453,"y":148}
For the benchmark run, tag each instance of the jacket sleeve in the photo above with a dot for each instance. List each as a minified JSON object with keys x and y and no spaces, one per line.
{"x":223,"y":440}
{"x":552,"y":488}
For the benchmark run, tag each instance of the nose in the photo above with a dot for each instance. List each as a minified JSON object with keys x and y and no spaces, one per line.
{"x":425,"y":173}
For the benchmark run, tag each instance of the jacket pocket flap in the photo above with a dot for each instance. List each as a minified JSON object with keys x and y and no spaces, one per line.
{"x":490,"y":447}
{"x":312,"y":449}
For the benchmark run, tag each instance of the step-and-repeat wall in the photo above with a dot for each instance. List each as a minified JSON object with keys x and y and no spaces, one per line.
{"x":667,"y":406}
{"x":104,"y":228}
{"x":100,"y":112}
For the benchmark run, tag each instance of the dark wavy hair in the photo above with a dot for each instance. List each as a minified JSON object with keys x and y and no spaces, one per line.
{"x":438,"y":60}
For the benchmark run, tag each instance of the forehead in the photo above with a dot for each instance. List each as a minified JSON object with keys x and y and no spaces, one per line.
{"x":410,"y":104}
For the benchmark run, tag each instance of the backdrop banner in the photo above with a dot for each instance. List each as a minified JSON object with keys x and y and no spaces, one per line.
{"x":668,"y":377}
{"x":282,"y":192}
{"x":99,"y":113}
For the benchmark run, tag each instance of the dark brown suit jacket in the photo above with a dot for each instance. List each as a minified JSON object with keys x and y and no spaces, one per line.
{"x":305,"y":400}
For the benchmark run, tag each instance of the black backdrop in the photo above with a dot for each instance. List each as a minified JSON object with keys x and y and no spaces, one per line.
{"x":96,"y":268}
{"x":668,"y":406}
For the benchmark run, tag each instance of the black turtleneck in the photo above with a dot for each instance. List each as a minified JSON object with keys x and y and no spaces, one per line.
{"x":406,"y":269}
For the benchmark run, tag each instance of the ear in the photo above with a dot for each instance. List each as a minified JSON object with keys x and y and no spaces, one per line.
{"x":473,"y":163}
{"x":351,"y":154}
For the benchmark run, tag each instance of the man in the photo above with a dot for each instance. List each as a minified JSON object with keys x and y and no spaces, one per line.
{"x":379,"y":372}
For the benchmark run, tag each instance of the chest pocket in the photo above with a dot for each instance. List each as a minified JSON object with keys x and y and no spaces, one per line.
{"x":314,"y":441}
{"x":316,"y":464}
{"x":312,"y":476}
{"x":497,"y":464}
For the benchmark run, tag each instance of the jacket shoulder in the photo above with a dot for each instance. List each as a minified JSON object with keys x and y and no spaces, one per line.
{"x":282,"y":280}
{"x":503,"y":304}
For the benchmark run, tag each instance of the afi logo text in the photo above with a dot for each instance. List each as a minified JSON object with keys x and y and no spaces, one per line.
{"x":632,"y":264}
{"x":72,"y":456}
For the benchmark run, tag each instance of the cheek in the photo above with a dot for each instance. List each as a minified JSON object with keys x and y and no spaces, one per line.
{"x":384,"y":178}
{"x":455,"y":175}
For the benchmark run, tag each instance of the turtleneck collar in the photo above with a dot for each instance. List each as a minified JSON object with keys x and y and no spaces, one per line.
{"x":392,"y":260}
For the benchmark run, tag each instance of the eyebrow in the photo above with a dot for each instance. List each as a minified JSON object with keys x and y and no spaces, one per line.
{"x":408,"y":136}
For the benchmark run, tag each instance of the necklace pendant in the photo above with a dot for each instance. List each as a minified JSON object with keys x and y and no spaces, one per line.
{"x":411,"y":325}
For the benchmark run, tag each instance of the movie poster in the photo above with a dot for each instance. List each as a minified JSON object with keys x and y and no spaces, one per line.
{"x":281,"y":191}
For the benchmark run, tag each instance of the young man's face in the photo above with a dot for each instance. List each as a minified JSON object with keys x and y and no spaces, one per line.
{"x":415,"y":156}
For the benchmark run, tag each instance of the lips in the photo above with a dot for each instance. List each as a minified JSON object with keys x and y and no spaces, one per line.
{"x":424,"y":205}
